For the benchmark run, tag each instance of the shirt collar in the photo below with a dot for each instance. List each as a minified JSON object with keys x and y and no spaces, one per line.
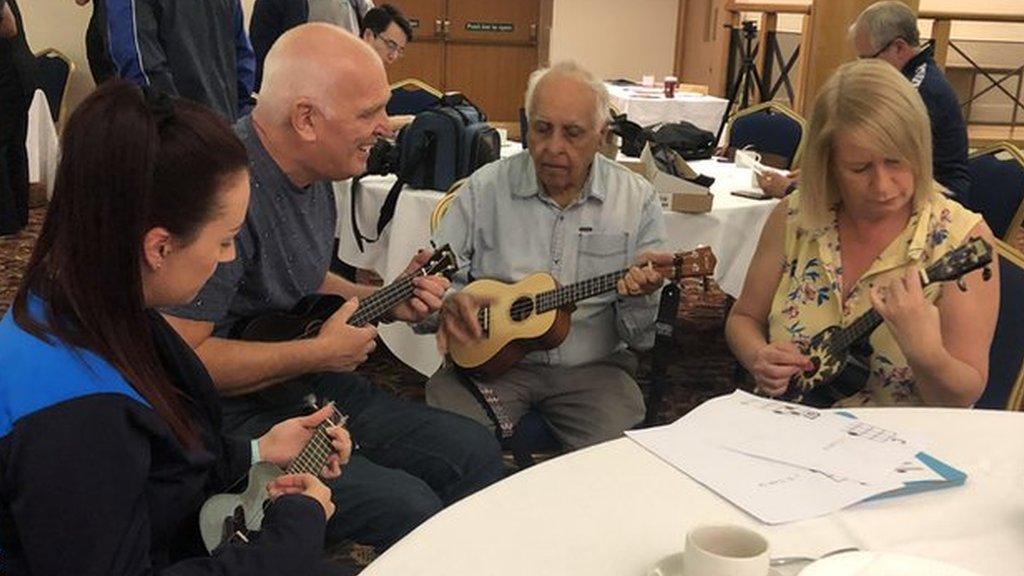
{"x":593,"y":188}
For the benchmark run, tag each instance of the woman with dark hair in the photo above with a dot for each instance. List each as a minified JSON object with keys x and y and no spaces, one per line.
{"x":109,"y":426}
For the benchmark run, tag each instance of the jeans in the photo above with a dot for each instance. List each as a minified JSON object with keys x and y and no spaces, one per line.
{"x":410,"y":459}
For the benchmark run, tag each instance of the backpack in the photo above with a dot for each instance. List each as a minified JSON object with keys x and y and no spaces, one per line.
{"x":442,"y":145}
{"x":446,"y":143}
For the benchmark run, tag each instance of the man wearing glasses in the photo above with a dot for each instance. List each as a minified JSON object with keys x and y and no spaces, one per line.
{"x":888,"y":31}
{"x":387,"y":31}
{"x":272,"y":18}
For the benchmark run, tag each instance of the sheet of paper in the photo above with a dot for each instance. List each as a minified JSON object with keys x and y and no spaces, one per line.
{"x":702,"y":445}
{"x":830,"y":442}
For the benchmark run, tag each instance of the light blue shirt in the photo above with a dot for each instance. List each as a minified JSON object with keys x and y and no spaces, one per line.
{"x":502,"y":226}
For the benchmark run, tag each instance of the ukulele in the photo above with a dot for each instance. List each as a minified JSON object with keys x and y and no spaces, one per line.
{"x":841,"y":355}
{"x":306,"y":318}
{"x":233,"y":518}
{"x":534,"y":313}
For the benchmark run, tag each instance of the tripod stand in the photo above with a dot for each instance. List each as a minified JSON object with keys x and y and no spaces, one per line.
{"x":747,"y":78}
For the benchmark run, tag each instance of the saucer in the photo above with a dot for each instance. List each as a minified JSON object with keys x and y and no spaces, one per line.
{"x":881,"y":564}
{"x":672,"y":565}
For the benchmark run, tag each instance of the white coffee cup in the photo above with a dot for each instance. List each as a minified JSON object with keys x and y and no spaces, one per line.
{"x":503,"y":134}
{"x":725,"y":551}
{"x":747,"y":158}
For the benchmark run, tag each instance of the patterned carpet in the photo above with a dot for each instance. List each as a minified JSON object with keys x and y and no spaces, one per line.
{"x":701,"y":366}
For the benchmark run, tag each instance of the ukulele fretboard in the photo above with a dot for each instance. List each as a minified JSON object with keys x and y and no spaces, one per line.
{"x":314,"y":455}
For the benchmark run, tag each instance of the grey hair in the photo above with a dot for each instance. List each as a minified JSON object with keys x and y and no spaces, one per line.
{"x":571,"y":68}
{"x":886,"y":21}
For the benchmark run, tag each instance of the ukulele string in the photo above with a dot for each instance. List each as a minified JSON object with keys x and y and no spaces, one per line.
{"x":324,"y":451}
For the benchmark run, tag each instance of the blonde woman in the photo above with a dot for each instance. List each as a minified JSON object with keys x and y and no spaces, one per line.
{"x":867,"y":217}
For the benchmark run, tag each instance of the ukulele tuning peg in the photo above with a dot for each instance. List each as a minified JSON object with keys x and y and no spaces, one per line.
{"x":961,"y":284}
{"x":986,"y":273}
{"x":310,"y":401}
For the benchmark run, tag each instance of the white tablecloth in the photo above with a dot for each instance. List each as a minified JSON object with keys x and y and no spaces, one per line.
{"x":615,"y":509}
{"x":42,"y":143}
{"x":647,"y":106}
{"x":731,"y":229}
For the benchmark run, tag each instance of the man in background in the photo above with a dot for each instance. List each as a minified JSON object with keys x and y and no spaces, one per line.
{"x":17,"y":85}
{"x":196,"y":49}
{"x":97,"y":49}
{"x":272,"y":18}
{"x":888,"y":31}
{"x":387,"y":31}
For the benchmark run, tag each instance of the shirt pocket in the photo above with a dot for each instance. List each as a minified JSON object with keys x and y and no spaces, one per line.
{"x":601,"y":253}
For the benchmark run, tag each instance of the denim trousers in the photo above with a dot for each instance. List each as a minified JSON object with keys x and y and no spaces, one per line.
{"x":408,"y":461}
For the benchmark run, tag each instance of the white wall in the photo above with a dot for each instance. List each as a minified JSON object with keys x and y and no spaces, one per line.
{"x":614,"y":38}
{"x":611,"y":37}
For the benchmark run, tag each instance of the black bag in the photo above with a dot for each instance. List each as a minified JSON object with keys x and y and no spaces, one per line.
{"x":447,"y":143}
{"x":440,"y":146}
{"x":691,"y":142}
{"x":633,"y":135}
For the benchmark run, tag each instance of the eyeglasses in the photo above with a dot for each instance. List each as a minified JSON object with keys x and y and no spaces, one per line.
{"x":882,"y":49}
{"x":392,"y":46}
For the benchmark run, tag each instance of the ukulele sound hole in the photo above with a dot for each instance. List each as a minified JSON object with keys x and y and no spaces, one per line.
{"x":522,"y":308}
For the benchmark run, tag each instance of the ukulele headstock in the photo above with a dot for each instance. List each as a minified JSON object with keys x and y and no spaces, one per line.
{"x":694,"y":263}
{"x":442,"y":262}
{"x":974,"y":254}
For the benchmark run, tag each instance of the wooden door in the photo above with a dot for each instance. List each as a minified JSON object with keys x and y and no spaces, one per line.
{"x":424,"y":56}
{"x":490,"y":50}
{"x":701,"y":39}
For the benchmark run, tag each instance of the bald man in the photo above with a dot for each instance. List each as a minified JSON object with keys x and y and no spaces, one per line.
{"x":320,"y":111}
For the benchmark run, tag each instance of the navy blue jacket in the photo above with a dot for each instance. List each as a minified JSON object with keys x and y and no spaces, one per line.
{"x":196,"y":49}
{"x":93,"y":481}
{"x":949,"y":131}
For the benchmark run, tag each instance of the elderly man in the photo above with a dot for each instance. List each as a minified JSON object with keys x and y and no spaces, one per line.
{"x":320,"y":111}
{"x":564,"y":209}
{"x":888,"y":31}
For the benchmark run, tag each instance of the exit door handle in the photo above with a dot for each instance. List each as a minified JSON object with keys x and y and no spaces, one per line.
{"x":438,"y":27}
{"x":447,"y":26}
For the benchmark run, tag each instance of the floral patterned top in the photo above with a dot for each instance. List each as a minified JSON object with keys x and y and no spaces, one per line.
{"x":809,"y":297}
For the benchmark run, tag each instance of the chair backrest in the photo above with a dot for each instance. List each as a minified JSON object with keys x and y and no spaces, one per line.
{"x":441,"y":208}
{"x":412,"y":96}
{"x":1005,"y":387}
{"x":997,"y":188}
{"x":53,"y":72}
{"x":769,"y":128}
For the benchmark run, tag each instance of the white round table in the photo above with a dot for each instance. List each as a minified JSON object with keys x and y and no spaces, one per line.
{"x":42,"y":143}
{"x":647,"y":106}
{"x":731,"y":229}
{"x":615,"y":509}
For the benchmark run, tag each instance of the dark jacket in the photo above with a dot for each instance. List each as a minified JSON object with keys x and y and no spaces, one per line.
{"x":92,"y":481}
{"x":17,"y":70}
{"x":949,"y":131}
{"x":197,"y":49}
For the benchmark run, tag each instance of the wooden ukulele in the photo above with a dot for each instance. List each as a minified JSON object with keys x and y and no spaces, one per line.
{"x":306,"y":318}
{"x":534,"y":313}
{"x":233,"y":518}
{"x":841,"y":355}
